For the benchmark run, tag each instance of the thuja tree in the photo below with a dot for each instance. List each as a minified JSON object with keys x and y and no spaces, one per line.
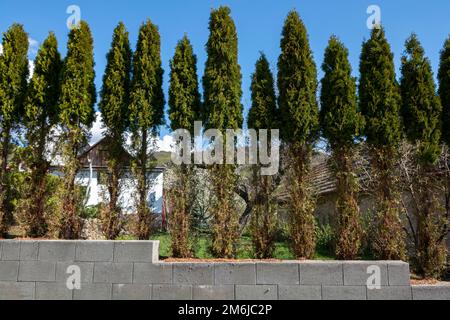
{"x":297,"y":86}
{"x":146,"y":115}
{"x":421,"y":111}
{"x":444,"y":94}
{"x":184,"y":109}
{"x":263,"y":115}
{"x":13,"y":86}
{"x":40,"y":117}
{"x":223,"y":110}
{"x":379,"y":100}
{"x":444,"y":90}
{"x":76,"y":116}
{"x":340,"y":123}
{"x":115,"y":97}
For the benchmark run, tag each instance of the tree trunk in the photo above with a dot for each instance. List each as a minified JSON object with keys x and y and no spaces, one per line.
{"x":144,"y":214}
{"x":5,"y":214}
{"x":38,"y":225}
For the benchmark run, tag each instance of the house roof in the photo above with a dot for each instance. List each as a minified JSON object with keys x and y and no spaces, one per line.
{"x":322,"y":177}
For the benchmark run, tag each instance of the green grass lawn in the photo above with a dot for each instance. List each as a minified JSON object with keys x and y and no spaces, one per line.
{"x":245,"y":250}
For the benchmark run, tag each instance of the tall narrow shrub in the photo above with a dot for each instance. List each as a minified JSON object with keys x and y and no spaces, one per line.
{"x":223,"y":110}
{"x":146,"y":114}
{"x":421,"y":111}
{"x":379,"y":100}
{"x":115,"y":98}
{"x":297,"y":87}
{"x":76,"y":116}
{"x":263,"y":115}
{"x":184,"y":109}
{"x":13,"y":86}
{"x":444,"y":90}
{"x":444,"y":94}
{"x":40,"y":116}
{"x":341,"y":123}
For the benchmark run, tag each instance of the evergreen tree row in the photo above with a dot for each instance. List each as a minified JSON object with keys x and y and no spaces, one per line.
{"x":56,"y":107}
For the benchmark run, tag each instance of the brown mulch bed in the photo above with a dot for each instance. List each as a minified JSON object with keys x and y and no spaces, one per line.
{"x":31,"y":239}
{"x":416,"y":282}
{"x":194,"y":260}
{"x":424,"y":281}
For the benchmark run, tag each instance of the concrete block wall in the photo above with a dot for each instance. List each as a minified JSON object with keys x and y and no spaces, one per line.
{"x":131,"y":270}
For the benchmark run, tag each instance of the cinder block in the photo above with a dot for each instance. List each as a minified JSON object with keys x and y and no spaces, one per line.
{"x":29,"y":250}
{"x":398,"y":272}
{"x":136,"y":251}
{"x":158,"y":273}
{"x":277,"y":273}
{"x":225,"y":292}
{"x":256,"y":292}
{"x":117,"y":272}
{"x":93,"y":291}
{"x":431,"y":292}
{"x":193,"y":273}
{"x":390,"y":293}
{"x":41,"y":271}
{"x":86,"y":270}
{"x":344,"y":293}
{"x":9,"y":270}
{"x":299,"y":292}
{"x":356,"y":272}
{"x":92,"y":251}
{"x":58,"y":250}
{"x":171,"y":292}
{"x":132,"y":291}
{"x":321,"y":273}
{"x":235,"y":273}
{"x":17,"y":290}
{"x":11,"y":250}
{"x":53,"y":291}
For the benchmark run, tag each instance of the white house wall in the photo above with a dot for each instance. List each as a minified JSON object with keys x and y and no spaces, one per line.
{"x":98,"y":193}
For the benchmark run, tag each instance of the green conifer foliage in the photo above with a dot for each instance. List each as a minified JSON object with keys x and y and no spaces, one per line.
{"x":40,"y":117}
{"x":297,"y":86}
{"x":421,"y":111}
{"x":184,"y":96}
{"x":76,"y":116}
{"x":263,"y":111}
{"x":340,"y":123}
{"x":115,"y":98}
{"x":222,"y":78}
{"x":379,"y":101}
{"x":421,"y":108}
{"x":146,"y":115}
{"x":13,"y":87}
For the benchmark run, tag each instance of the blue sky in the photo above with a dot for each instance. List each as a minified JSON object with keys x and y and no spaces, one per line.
{"x":258,"y":22}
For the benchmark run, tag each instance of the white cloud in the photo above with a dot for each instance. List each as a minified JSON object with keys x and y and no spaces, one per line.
{"x":1,"y":48}
{"x":33,"y":46}
{"x":30,"y":69}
